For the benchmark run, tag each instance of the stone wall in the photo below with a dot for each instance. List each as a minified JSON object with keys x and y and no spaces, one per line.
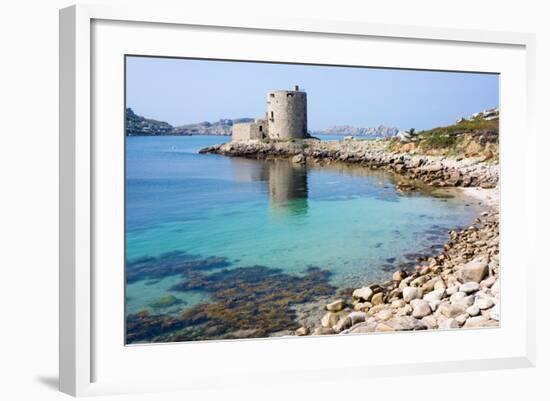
{"x":248,"y":131}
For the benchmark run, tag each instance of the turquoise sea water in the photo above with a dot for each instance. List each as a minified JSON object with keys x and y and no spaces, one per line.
{"x":350,"y":221}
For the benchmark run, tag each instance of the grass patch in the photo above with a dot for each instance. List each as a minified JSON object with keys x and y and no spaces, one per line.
{"x":393,"y":145}
{"x":439,"y":140}
{"x":477,"y":124}
{"x":450,"y":136}
{"x":453,"y":140}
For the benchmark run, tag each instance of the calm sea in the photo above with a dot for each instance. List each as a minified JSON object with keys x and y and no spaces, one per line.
{"x":273,"y":214}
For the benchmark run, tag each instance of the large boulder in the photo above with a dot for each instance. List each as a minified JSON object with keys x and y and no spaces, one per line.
{"x":430,"y":321}
{"x":384,"y":314}
{"x":421,"y":309}
{"x":406,"y":323}
{"x":377,"y":298}
{"x":336,"y":306}
{"x":357,"y":317}
{"x":410,"y":293}
{"x":451,"y":310}
{"x":465,"y":302}
{"x":365,"y":327}
{"x":364,"y":293}
{"x":473,"y":310}
{"x":476,"y":270}
{"x":399,"y":275}
{"x":454,"y":178}
{"x":484,"y":303}
{"x":457,"y":296}
{"x":469,"y":287}
{"x":347,"y":321}
{"x":435,"y":295}
{"x":322,"y":331}
{"x":480,"y":321}
{"x":449,"y":324}
{"x":330,"y":319}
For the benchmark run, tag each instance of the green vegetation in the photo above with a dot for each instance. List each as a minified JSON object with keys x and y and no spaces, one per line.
{"x":477,"y":124}
{"x":450,"y":136}
{"x":438,"y":140}
{"x":393,"y":145}
{"x":466,"y":137}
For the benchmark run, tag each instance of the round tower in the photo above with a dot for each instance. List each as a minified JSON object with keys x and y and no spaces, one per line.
{"x":287,"y":114}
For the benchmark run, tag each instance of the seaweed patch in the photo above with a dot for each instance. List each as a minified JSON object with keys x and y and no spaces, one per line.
{"x":250,"y":301}
{"x":170,"y":264}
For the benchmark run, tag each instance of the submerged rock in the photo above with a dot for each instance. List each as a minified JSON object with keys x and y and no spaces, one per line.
{"x":165,"y":302}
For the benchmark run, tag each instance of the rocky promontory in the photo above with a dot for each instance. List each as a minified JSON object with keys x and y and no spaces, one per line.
{"x":440,"y":171}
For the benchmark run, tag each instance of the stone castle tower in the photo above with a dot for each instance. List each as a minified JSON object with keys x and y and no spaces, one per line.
{"x":286,"y":118}
{"x":287,"y":114}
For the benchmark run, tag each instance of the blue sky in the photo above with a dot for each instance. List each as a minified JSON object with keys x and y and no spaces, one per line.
{"x":181,"y":91}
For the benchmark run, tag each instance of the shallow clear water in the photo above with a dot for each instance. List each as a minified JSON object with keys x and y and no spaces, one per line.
{"x":350,"y":221}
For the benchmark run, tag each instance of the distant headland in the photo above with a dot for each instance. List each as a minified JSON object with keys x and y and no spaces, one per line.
{"x":137,"y":125}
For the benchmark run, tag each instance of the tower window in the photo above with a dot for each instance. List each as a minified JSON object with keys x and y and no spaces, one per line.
{"x":271,"y":95}
{"x":271,"y":115}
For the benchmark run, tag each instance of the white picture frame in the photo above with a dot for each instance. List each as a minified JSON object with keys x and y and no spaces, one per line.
{"x":80,"y":344}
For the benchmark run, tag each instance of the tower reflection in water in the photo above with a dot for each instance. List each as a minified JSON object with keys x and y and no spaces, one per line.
{"x":286,"y":183}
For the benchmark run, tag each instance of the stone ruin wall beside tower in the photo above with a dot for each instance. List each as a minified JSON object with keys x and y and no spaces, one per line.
{"x":248,"y":131}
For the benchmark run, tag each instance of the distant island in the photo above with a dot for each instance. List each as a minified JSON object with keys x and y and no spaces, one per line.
{"x":137,"y":125}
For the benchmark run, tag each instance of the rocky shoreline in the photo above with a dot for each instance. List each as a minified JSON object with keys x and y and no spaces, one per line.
{"x":436,"y":171}
{"x":457,"y":288}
